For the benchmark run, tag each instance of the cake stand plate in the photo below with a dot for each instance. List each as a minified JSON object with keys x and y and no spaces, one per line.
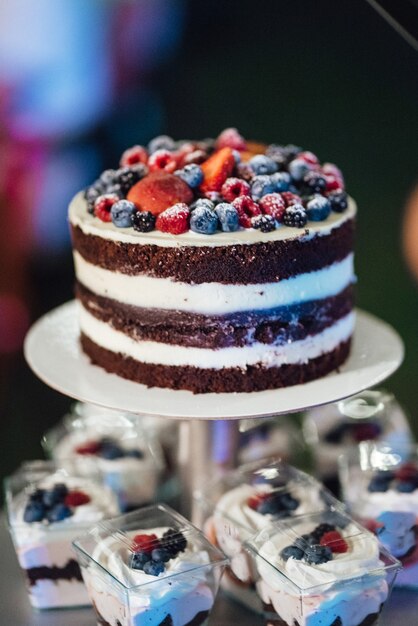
{"x":53,"y":352}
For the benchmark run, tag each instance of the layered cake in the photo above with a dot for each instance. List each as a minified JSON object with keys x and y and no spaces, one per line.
{"x":315,"y":572}
{"x":45,"y":513}
{"x":139,"y":574}
{"x":215,"y":266}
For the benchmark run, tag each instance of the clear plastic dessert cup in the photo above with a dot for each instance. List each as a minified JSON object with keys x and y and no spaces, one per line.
{"x":321,"y":570}
{"x":244,"y":501}
{"x":112,"y":447}
{"x":46,"y":509}
{"x":380,"y":488}
{"x":150,"y":567}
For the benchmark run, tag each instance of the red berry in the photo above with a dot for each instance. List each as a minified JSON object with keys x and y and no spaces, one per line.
{"x":216,"y":169}
{"x":334,"y":541}
{"x":254,"y":500}
{"x":131,"y":156}
{"x":197,"y":156}
{"x":290,"y":198}
{"x":329,"y":169}
{"x":145,"y":543}
{"x":158,"y":191}
{"x":174,"y":220}
{"x":308,"y":157}
{"x":274,"y":205}
{"x":246,"y":209}
{"x":407,"y":472}
{"x":76,"y":498}
{"x":103,"y":204}
{"x":89,"y":447}
{"x":163,"y":160}
{"x":333,"y":182}
{"x":235,"y":187}
{"x":230,"y":138}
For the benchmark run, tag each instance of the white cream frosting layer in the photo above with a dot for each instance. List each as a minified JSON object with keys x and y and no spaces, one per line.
{"x":214,"y":298}
{"x":258,"y":353}
{"x":91,"y":225}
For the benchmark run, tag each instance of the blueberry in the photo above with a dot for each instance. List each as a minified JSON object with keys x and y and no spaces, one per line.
{"x":111,"y":451}
{"x":143,"y":221}
{"x":406,"y":487}
{"x":336,"y":433}
{"x":58,"y":513}
{"x":338,"y":201}
{"x":265,"y":223}
{"x":138,"y":560}
{"x":116,"y":189}
{"x":288,"y":502}
{"x":34,"y":512}
{"x":203,"y":202}
{"x":314,"y":182}
{"x":162,"y":142}
{"x":317,"y":554}
{"x":298,"y":168}
{"x":318,"y":208}
{"x":55,"y":495}
{"x":154,"y":568}
{"x":122,"y":213}
{"x":261,"y":164}
{"x":292,"y":552}
{"x":228,"y":217}
{"x":108,"y":177}
{"x":135,"y":454}
{"x":37,"y":495}
{"x":191,"y":174}
{"x":272,"y":506}
{"x":160,"y":554}
{"x":306,"y":540}
{"x":204,"y":221}
{"x":378,"y":485}
{"x":295,"y":216}
{"x":261,"y":186}
{"x":281,"y":181}
{"x":282,"y":154}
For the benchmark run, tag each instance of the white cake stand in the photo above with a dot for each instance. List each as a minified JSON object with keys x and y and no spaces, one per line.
{"x":53,"y":352}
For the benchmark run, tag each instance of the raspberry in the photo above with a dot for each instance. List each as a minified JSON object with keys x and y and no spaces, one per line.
{"x":230,"y":138}
{"x":329,"y":169}
{"x":103,"y":204}
{"x":76,"y":498}
{"x":246,"y":209}
{"x":235,"y":187}
{"x":295,"y":216}
{"x":254,"y":501}
{"x":335,"y":541}
{"x":290,"y":198}
{"x":406,"y":472}
{"x":174,"y":220}
{"x":143,"y":221}
{"x":274,"y":205}
{"x":265,"y":223}
{"x":89,"y":447}
{"x":131,"y":156}
{"x":308,"y":157}
{"x":333,"y":183}
{"x":145,"y":543}
{"x":162,"y":160}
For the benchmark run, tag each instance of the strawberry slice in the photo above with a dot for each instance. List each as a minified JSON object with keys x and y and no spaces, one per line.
{"x":217,"y":169}
{"x":89,"y":447}
{"x":158,"y":191}
{"x":145,"y":543}
{"x":334,"y":541}
{"x":76,"y":498}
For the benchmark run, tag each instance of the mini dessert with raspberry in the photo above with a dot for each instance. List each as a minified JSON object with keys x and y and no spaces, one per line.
{"x":215,"y":266}
{"x":318,"y":570}
{"x":47,"y":508}
{"x":151,"y":567}
{"x":380,"y":486}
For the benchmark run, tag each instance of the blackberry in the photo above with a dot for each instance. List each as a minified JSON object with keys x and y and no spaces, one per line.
{"x":126,"y":177}
{"x":265,"y":223}
{"x":322,"y":529}
{"x":295,"y":216}
{"x":143,"y":221}
{"x":91,"y":194}
{"x":282,"y":154}
{"x":314,"y":182}
{"x":338,"y":201}
{"x":173,"y":541}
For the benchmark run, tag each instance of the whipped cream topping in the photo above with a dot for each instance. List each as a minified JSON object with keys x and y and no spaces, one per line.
{"x":91,"y":225}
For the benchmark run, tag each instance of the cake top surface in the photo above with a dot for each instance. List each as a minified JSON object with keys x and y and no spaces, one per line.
{"x":213,"y":192}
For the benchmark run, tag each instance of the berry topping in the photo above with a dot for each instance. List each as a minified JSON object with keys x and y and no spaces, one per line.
{"x":89,"y":447}
{"x":55,"y":495}
{"x":261,"y":185}
{"x":338,"y":200}
{"x":265,"y":223}
{"x":134,"y":155}
{"x":380,"y":482}
{"x":197,"y":156}
{"x":37,"y":495}
{"x":161,"y":554}
{"x":317,"y":555}
{"x":143,"y":221}
{"x":138,"y":560}
{"x":273,"y":204}
{"x":126,"y":177}
{"x":333,"y":182}
{"x":191,"y":174}
{"x":228,"y":217}
{"x":145,"y":543}
{"x":162,"y":142}
{"x":203,"y":202}
{"x":295,"y":216}
{"x":276,"y":503}
{"x":58,"y":513}
{"x":245,"y":171}
{"x":110,"y":450}
{"x":107,"y":178}
{"x":366,"y":431}
{"x":262,"y":164}
{"x":246,"y":209}
{"x":162,"y":160}
{"x":158,"y":191}
{"x":230,"y":138}
{"x":174,"y":541}
{"x":76,"y":498}
{"x":407,"y":472}
{"x":334,"y":540}
{"x":154,"y":568}
{"x":34,"y":512}
{"x":255,"y":500}
{"x":314,"y":182}
{"x":321,"y":529}
{"x":308,"y":157}
{"x":298,"y":168}
{"x":282,"y":154}
{"x":318,"y":208}
{"x":103,"y":205}
{"x":290,"y":198}
{"x":122,"y":212}
{"x":204,"y":220}
{"x":217,"y":169}
{"x":174,"y":220}
{"x":233,"y":188}
{"x":281,"y":181}
{"x":406,"y":487}
{"x":292,"y":552}
{"x":329,"y":169}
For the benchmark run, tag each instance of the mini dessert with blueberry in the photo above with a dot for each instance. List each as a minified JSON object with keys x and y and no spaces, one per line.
{"x":150,"y":567}
{"x":323,"y":570}
{"x":384,"y":496}
{"x":215,"y":266}
{"x":46,"y":510}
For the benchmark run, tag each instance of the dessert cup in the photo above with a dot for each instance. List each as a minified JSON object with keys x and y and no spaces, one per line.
{"x":150,"y":567}
{"x":243,"y":501}
{"x":321,"y":570}
{"x":112,"y":447}
{"x":380,"y":488}
{"x":46,"y":509}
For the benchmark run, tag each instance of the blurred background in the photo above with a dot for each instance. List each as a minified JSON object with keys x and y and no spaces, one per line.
{"x":80,"y":81}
